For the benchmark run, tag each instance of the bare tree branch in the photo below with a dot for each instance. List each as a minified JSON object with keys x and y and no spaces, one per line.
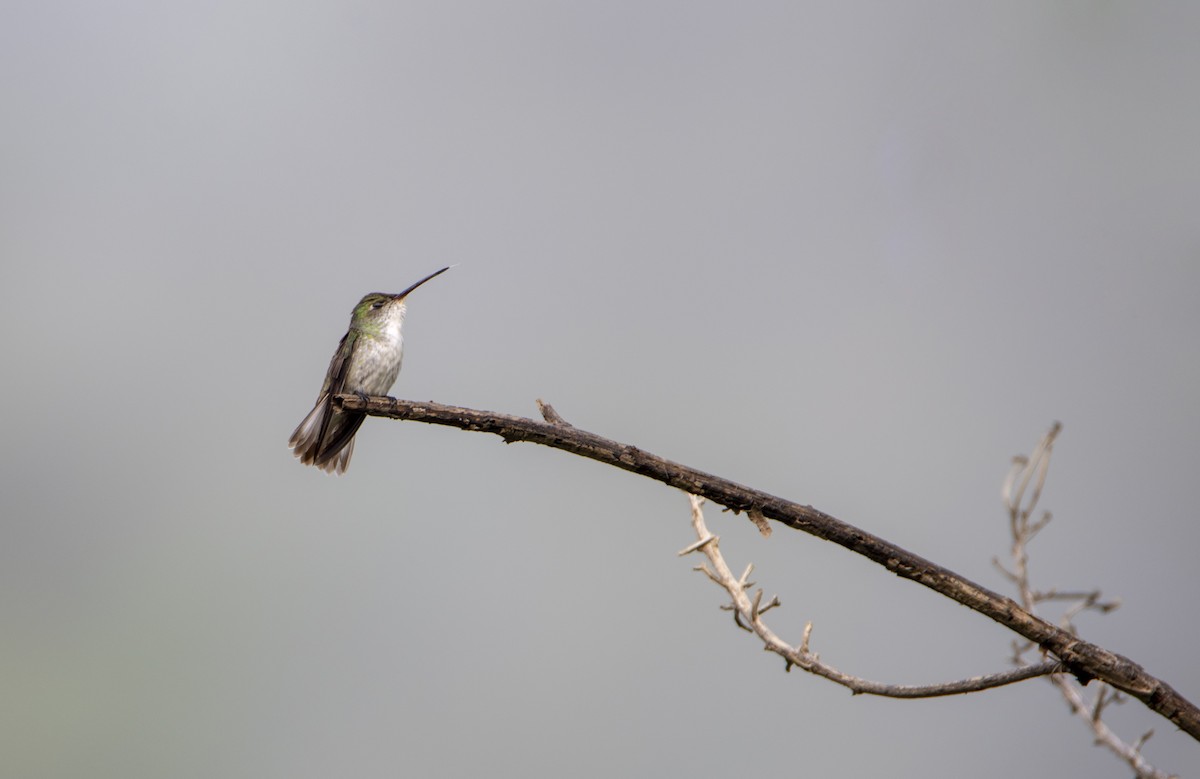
{"x":1083,"y":659}
{"x":748,"y":615}
{"x":1020,"y":510}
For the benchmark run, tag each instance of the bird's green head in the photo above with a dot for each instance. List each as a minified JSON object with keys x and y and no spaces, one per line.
{"x":378,"y":310}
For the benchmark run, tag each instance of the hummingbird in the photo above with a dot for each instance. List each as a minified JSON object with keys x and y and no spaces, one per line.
{"x":366,"y":362}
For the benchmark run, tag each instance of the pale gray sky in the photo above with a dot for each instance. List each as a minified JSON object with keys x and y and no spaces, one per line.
{"x":856,"y":254}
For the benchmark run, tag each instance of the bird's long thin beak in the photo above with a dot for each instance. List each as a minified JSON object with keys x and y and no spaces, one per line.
{"x":403,"y":294}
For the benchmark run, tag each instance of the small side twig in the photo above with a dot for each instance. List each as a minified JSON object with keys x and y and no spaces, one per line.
{"x":760,"y":522}
{"x":550,"y":415}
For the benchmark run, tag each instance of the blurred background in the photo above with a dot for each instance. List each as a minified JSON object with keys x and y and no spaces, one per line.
{"x":855,"y":254}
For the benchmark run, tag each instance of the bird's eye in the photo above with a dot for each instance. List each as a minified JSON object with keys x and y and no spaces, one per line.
{"x":377,"y":304}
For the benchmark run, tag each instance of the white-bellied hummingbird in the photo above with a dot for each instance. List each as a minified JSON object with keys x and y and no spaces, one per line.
{"x":366,"y":362}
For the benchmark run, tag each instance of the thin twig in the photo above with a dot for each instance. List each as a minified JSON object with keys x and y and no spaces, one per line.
{"x":748,"y":615}
{"x":1034,"y":470}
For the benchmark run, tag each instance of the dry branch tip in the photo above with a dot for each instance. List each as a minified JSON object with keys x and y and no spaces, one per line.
{"x":550,"y":415}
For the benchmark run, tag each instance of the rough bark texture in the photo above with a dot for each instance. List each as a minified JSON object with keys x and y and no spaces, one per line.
{"x":1083,"y":659}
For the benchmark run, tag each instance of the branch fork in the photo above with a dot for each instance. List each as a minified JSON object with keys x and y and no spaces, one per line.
{"x":748,"y":615}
